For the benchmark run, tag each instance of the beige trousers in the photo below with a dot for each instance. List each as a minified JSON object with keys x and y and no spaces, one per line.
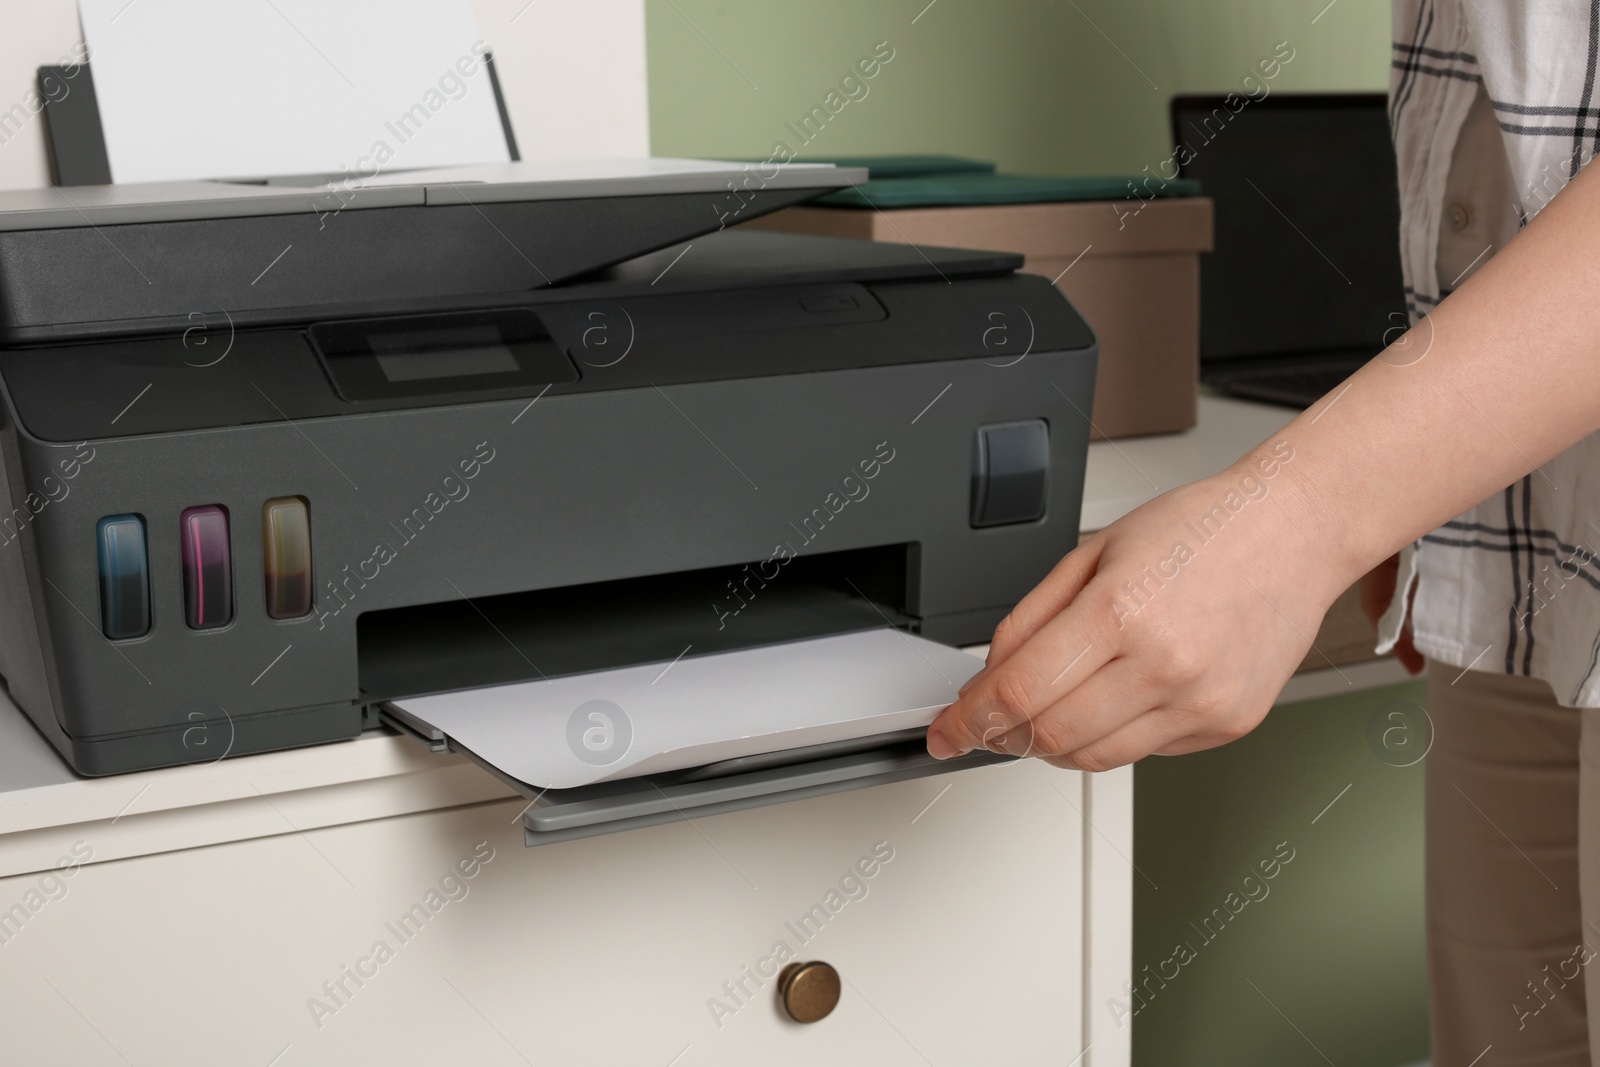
{"x":1513,"y":872}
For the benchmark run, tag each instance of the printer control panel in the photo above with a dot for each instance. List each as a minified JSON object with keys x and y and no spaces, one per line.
{"x":455,"y":352}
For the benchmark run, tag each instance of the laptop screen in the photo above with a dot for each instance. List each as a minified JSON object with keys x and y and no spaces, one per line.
{"x":1307,"y":252}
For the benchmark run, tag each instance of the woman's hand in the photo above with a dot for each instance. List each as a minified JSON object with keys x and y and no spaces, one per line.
{"x":1171,"y":631}
{"x":1175,"y":628}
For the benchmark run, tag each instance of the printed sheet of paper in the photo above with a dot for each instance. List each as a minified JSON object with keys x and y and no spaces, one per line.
{"x":257,"y":88}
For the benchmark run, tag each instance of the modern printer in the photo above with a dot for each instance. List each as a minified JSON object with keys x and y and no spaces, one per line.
{"x":471,"y":453}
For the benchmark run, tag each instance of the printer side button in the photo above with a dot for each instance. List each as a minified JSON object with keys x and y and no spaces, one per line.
{"x":286,"y":556}
{"x":124,"y":577}
{"x":207,"y":567}
{"x":1010,"y":473}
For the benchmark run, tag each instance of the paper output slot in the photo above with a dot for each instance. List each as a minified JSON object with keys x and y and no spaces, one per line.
{"x":515,"y":637}
{"x":653,"y":718}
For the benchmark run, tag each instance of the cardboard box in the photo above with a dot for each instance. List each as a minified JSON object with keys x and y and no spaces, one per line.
{"x":1132,"y":268}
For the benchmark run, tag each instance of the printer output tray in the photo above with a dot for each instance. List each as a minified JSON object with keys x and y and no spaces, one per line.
{"x":617,"y":749}
{"x":561,"y":815}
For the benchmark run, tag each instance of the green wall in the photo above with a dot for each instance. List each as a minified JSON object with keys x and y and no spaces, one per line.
{"x":1336,"y":943}
{"x":1030,"y":84}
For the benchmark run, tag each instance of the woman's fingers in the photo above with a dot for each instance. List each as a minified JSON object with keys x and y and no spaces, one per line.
{"x":1163,"y":731}
{"x":1047,"y":600}
{"x":1059,"y":657}
{"x":1166,"y":629}
{"x":1107,"y":701}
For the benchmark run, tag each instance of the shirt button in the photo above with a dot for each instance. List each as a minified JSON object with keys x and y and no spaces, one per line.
{"x":1459,"y":217}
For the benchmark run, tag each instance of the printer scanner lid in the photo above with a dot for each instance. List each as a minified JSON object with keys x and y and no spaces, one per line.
{"x":570,"y":179}
{"x":119,"y":260}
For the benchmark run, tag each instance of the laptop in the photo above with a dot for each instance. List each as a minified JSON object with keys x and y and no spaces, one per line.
{"x":1304,"y":285}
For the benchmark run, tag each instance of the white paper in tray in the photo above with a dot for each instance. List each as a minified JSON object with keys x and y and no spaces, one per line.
{"x":589,"y":728}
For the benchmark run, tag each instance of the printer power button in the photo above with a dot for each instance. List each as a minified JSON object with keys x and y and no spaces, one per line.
{"x":1010,"y":473}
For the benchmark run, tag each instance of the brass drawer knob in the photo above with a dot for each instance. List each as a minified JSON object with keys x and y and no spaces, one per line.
{"x":808,"y":991}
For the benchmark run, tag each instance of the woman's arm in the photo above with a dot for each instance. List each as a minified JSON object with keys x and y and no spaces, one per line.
{"x":1175,"y":628}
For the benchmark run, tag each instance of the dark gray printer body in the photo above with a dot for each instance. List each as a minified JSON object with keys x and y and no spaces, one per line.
{"x":553,"y":478}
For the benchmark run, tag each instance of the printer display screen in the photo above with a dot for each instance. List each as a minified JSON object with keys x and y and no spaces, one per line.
{"x":449,"y":352}
{"x":501,"y":350}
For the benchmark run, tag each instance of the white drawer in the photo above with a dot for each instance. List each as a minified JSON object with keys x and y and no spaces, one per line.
{"x":967,"y":945}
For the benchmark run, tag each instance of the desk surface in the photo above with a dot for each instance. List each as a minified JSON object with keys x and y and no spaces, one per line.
{"x":381,"y":774}
{"x":1124,"y":474}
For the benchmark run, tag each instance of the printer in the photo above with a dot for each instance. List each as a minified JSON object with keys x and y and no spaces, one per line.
{"x":546,"y":464}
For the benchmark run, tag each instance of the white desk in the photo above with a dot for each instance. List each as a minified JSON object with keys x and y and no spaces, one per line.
{"x":1121,"y":475}
{"x":216,"y":900}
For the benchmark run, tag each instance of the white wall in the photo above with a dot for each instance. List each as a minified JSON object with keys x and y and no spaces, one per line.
{"x":573,"y":73}
{"x":36,"y":33}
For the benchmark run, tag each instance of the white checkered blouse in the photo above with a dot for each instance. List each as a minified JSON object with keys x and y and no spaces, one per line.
{"x":1513,"y":585}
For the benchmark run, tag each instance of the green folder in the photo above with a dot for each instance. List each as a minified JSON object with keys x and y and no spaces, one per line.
{"x":968,"y":188}
{"x":911,"y":166}
{"x":931,"y":180}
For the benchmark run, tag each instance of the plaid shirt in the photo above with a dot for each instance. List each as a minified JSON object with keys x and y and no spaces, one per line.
{"x":1514,"y":584}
